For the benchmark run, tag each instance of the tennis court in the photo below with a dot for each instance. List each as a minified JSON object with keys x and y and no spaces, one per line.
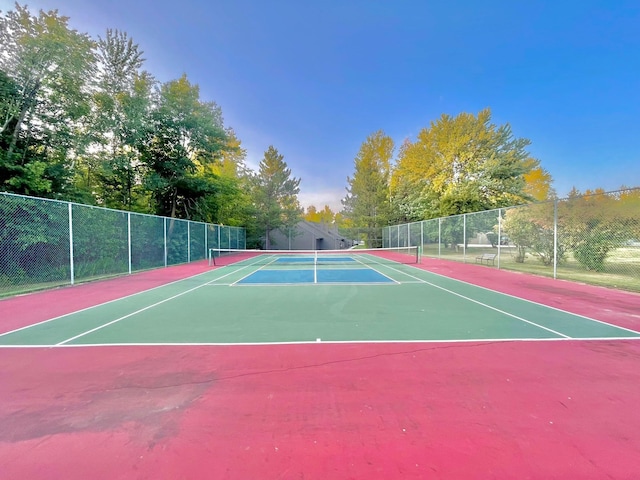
{"x":260,"y":354}
{"x":354,"y":297}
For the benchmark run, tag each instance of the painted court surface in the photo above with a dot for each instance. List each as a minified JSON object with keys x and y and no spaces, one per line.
{"x":364,"y":369}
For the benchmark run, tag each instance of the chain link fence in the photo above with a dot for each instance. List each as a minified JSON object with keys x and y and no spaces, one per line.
{"x":47,"y":243}
{"x":368,"y":237}
{"x":592,"y":238}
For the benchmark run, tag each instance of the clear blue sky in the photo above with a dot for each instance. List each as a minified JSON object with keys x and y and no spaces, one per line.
{"x":315,"y":78}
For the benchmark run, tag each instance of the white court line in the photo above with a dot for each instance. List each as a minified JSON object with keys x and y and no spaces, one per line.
{"x":334,"y":342}
{"x":310,"y":284}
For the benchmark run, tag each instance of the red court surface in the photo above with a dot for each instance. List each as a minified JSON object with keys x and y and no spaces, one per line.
{"x":479,"y":410}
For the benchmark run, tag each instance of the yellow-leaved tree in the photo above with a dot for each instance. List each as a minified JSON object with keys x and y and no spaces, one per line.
{"x":460,"y":164}
{"x":538,"y":182}
{"x":324,"y":216}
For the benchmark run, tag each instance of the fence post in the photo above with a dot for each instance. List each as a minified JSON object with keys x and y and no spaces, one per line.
{"x":499,"y":236}
{"x":188,"y":241}
{"x":71,"y":271}
{"x":129,"y":238}
{"x":555,"y":239}
{"x":439,"y":237}
{"x":165,"y":241}
{"x":464,"y":238}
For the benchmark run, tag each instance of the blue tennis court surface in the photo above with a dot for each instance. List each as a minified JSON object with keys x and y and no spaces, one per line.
{"x":272,"y":277}
{"x":360,"y":275}
{"x":311,"y":260}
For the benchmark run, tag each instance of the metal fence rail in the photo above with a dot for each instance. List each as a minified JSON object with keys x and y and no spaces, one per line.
{"x":46,"y":243}
{"x":591,"y":238}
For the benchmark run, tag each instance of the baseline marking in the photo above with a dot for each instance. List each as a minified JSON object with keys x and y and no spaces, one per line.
{"x":315,"y":342}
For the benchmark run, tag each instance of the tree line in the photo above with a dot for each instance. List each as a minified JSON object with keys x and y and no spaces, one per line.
{"x":456,"y":165}
{"x":467,"y":164}
{"x":82,"y":120}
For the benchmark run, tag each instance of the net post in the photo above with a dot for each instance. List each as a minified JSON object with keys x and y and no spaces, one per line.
{"x":212,"y":257}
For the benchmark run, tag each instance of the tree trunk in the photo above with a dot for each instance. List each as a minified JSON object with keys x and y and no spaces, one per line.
{"x":16,"y":131}
{"x":26,"y":106}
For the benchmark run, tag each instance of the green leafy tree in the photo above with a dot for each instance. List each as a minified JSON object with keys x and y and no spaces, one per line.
{"x":232,"y":204}
{"x":186,"y":135}
{"x":530,"y":228}
{"x":9,"y":103}
{"x":122,"y":100}
{"x":367,"y":201}
{"x":275,"y":195}
{"x":49,"y":65}
{"x":597,"y":223}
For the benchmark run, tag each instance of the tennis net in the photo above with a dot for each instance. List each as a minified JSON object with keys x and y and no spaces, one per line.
{"x":395,"y":255}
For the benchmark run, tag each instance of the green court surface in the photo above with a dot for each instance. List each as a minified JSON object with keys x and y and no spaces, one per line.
{"x":257,"y":303}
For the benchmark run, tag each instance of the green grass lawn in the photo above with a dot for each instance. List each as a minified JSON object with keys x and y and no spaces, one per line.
{"x":622,"y":266}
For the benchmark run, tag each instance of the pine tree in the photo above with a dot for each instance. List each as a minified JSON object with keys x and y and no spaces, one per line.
{"x":275,"y":195}
{"x":367,"y":201}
